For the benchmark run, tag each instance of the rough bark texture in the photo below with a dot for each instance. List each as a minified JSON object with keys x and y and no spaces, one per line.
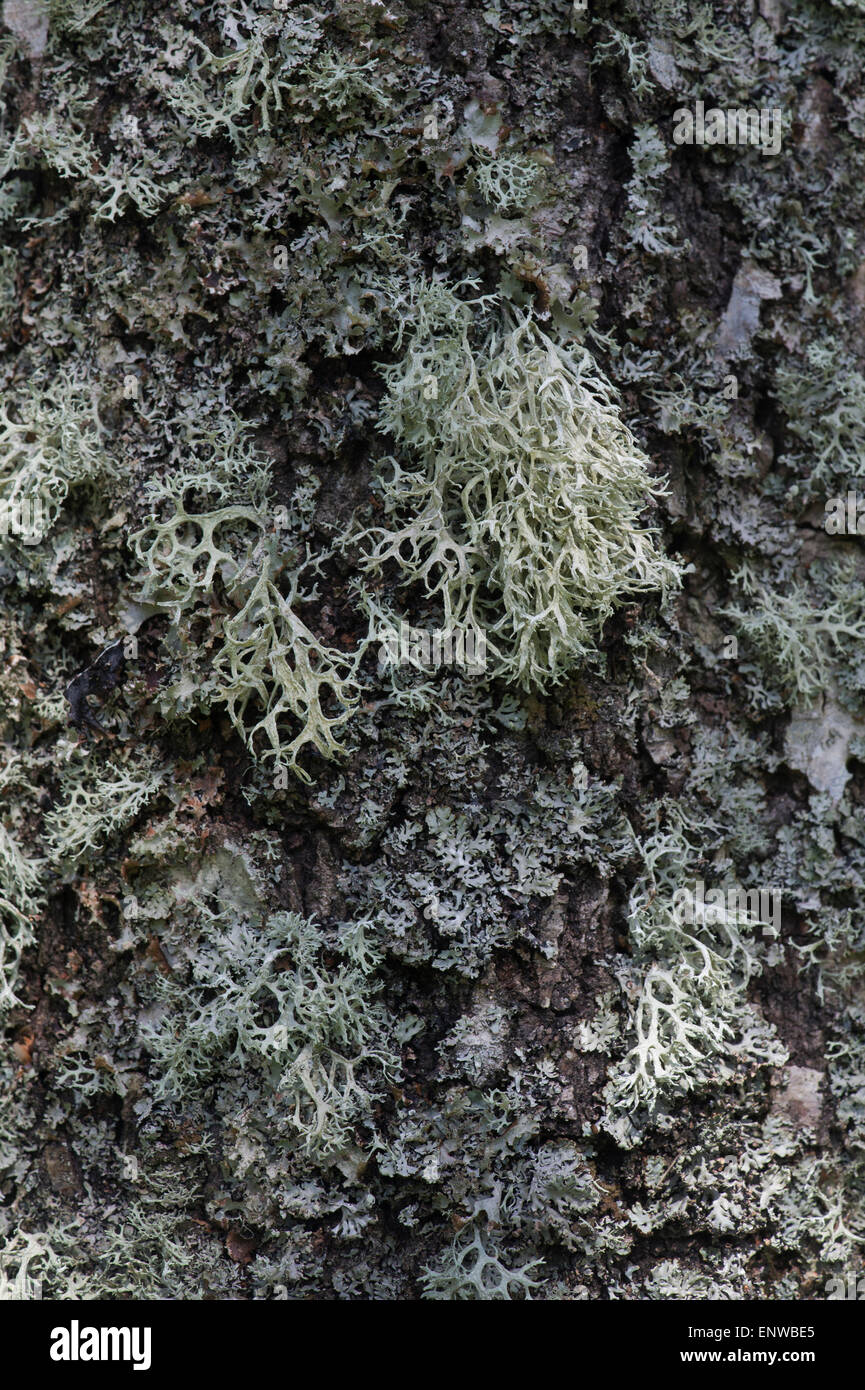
{"x":325,"y":974}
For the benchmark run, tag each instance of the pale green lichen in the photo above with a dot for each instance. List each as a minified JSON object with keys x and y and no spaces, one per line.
{"x":270,"y":661}
{"x":263,"y":1002}
{"x":799,"y":640}
{"x":691,"y":1016}
{"x":267,"y":667}
{"x":518,"y":504}
{"x":98,"y":803}
{"x":470,"y":1269}
{"x":19,"y":903}
{"x":54,"y":444}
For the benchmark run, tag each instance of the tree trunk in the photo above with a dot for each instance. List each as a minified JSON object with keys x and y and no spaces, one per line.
{"x":433,"y":825}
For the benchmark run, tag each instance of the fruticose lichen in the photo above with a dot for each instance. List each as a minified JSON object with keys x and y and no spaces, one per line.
{"x":522,"y":492}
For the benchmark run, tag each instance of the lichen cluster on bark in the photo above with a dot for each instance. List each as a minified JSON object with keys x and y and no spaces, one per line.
{"x":334,"y":966}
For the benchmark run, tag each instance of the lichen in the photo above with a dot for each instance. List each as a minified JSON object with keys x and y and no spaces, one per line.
{"x":521,"y":496}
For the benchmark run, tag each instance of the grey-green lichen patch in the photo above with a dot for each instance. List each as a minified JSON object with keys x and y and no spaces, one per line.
{"x":266,"y":666}
{"x":262,"y":1011}
{"x":801,"y":638}
{"x":19,"y":888}
{"x":518,"y":506}
{"x":52,"y":444}
{"x":97,"y":802}
{"x":692,"y":1022}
